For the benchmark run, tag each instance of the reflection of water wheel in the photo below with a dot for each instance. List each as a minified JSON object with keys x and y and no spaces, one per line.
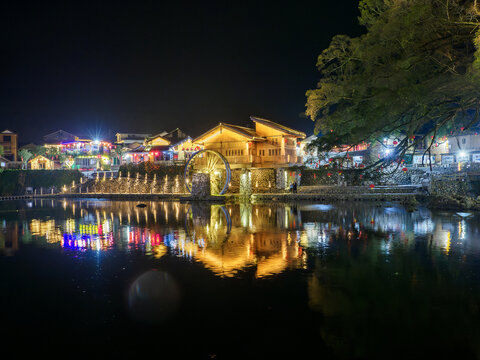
{"x":212,"y":163}
{"x":213,"y":228}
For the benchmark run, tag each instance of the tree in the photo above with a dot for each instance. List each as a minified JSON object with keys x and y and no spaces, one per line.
{"x":414,"y":73}
{"x":2,"y":151}
{"x":40,"y":150}
{"x":25,"y":156}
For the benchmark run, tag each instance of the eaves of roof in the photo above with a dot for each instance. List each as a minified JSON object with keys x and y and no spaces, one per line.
{"x":279,"y":127}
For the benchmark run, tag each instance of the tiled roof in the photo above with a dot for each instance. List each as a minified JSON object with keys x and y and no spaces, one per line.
{"x":274,"y":125}
{"x":249,"y":132}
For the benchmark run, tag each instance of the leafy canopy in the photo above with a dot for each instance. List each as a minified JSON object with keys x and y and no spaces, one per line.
{"x":416,"y":70}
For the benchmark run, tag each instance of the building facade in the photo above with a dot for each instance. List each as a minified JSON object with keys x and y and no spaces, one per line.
{"x":9,"y":142}
{"x":268,"y":144}
{"x":41,"y":163}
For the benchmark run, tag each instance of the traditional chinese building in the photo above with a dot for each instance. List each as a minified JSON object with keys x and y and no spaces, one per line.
{"x":129,"y":138}
{"x":268,"y":144}
{"x":173,"y":146}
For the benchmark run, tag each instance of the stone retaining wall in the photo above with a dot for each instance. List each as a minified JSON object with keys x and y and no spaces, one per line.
{"x":450,"y":185}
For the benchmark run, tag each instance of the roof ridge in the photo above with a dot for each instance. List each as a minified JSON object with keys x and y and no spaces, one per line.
{"x":239,"y":126}
{"x":283,"y":127}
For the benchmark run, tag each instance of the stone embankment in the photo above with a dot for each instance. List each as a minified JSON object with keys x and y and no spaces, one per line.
{"x":341,"y":193}
{"x":453,"y":202}
{"x":324,"y":193}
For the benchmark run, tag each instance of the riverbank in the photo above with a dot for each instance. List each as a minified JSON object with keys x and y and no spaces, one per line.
{"x":409,"y":196}
{"x":330,"y":194}
{"x":456,"y":202}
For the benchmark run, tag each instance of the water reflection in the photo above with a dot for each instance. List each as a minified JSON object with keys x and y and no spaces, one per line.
{"x":229,"y":239}
{"x":380,"y":277}
{"x":225,"y":239}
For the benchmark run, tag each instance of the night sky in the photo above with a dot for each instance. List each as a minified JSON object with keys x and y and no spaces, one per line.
{"x":97,"y":68}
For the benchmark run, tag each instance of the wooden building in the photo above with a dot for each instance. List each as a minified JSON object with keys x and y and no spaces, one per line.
{"x":268,"y":144}
{"x":170,"y":147}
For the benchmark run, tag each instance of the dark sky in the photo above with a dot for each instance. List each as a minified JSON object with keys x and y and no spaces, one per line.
{"x":94,"y":67}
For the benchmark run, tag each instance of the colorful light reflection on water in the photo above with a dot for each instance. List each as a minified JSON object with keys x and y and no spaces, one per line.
{"x":376,"y":274}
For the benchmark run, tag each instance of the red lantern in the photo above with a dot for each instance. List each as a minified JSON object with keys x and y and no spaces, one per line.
{"x":362,"y":166}
{"x":404,"y":169}
{"x":329,"y":174}
{"x":361,"y":176}
{"x":372,"y":186}
{"x":339,"y":173}
{"x":330,"y":160}
{"x":314,"y":176}
{"x":395,"y":142}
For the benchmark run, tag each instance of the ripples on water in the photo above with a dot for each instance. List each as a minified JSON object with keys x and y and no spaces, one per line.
{"x":367,"y":281}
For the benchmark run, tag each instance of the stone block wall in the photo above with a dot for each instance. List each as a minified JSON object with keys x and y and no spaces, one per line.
{"x":245,"y":183}
{"x":450,"y":185}
{"x":260,"y":180}
{"x":234,"y":187}
{"x":157,"y":185}
{"x":201,"y":185}
{"x":280,"y":183}
{"x":263,"y":180}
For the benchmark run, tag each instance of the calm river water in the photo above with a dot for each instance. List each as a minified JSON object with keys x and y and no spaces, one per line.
{"x":341,"y":281}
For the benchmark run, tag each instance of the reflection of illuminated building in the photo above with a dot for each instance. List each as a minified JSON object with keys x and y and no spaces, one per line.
{"x":8,"y":239}
{"x":233,"y":239}
{"x":93,"y":236}
{"x":47,"y":229}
